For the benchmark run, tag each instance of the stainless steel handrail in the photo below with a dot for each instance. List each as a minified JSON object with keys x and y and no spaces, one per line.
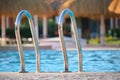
{"x":77,"y":39}
{"x":18,"y":38}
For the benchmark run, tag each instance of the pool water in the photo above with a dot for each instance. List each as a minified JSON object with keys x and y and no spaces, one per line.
{"x":52,"y":61}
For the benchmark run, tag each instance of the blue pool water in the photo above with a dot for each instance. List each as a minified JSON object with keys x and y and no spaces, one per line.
{"x":52,"y":61}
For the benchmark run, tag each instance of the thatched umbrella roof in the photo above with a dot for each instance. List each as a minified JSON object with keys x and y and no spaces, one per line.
{"x":89,"y":8}
{"x":55,"y":4}
{"x":12,"y":7}
{"x":115,"y":6}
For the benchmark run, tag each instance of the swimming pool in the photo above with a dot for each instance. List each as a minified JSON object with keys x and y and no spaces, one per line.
{"x":52,"y":61}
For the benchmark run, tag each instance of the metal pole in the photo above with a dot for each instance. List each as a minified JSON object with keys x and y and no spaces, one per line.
{"x":63,"y":48}
{"x":77,"y":38}
{"x":36,"y":25}
{"x":35,"y":40}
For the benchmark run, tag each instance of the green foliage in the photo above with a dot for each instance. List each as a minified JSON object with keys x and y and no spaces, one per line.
{"x":94,"y":41}
{"x":25,"y":29}
{"x":52,"y":28}
{"x":66,"y":30}
{"x":40,"y":28}
{"x":26,"y":33}
{"x":10,"y":32}
{"x":114,"y":33}
{"x":109,"y":40}
{"x":113,"y":42}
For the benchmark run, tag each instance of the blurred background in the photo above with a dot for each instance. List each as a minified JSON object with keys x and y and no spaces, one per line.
{"x":98,"y":21}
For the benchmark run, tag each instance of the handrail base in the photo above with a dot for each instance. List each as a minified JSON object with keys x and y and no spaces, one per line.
{"x":23,"y":71}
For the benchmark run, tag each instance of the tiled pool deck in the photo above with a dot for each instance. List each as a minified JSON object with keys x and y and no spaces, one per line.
{"x":60,"y":76}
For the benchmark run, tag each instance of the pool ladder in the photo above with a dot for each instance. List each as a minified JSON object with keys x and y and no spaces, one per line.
{"x":35,"y":40}
{"x":77,"y":38}
{"x":18,"y":38}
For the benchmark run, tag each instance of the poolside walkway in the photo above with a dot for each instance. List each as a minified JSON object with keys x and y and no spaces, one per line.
{"x":44,"y":43}
{"x":70,"y":44}
{"x":59,"y":76}
{"x":54,"y":43}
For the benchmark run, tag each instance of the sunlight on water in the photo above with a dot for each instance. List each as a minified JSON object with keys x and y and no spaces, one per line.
{"x":52,"y":61}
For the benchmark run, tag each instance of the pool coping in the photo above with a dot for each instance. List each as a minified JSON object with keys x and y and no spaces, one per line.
{"x":25,"y":47}
{"x":48,"y":47}
{"x":60,"y":76}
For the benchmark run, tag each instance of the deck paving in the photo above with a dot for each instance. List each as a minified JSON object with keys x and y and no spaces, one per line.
{"x":60,"y":76}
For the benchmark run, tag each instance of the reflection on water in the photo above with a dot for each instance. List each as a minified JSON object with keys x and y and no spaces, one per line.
{"x":52,"y":61}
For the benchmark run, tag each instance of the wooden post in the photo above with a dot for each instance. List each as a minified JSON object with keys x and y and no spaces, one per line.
{"x":44,"y":27}
{"x":3,"y":31}
{"x":102,"y":30}
{"x":116,"y":23}
{"x":7,"y":22}
{"x":111,"y":23}
{"x":36,"y":26}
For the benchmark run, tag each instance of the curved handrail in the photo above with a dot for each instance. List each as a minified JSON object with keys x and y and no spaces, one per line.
{"x":74,"y":28}
{"x":18,"y":38}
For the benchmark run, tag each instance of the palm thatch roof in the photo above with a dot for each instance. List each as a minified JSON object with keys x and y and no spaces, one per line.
{"x":115,"y":6}
{"x":88,"y":8}
{"x":55,"y":4}
{"x":12,"y":7}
